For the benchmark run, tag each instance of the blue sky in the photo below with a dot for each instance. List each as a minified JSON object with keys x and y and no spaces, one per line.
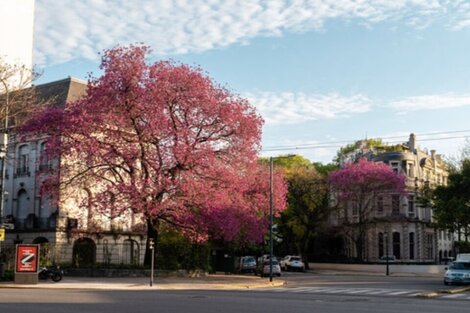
{"x":318,"y":71}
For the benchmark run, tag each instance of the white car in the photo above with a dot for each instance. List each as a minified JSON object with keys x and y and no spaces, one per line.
{"x":292,"y":262}
{"x":266,"y":267}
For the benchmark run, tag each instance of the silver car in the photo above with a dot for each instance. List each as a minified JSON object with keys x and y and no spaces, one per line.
{"x":457,"y":273}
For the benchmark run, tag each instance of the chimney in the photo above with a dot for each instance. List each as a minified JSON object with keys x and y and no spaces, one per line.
{"x":412,"y":143}
{"x":433,"y":154}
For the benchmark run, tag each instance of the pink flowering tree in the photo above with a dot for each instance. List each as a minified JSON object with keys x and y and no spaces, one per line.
{"x":355,"y":189}
{"x":166,"y":142}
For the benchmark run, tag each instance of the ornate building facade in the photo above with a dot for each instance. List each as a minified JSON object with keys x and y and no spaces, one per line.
{"x":72,"y":233}
{"x":398,"y":225}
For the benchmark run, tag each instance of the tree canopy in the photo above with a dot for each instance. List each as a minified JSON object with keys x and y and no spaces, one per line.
{"x":164,"y":141}
{"x":357,"y":185}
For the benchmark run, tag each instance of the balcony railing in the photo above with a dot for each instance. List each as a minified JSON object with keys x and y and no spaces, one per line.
{"x":22,"y":171}
{"x":34,"y":223}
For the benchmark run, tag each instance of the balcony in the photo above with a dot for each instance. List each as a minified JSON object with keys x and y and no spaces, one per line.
{"x":34,"y":223}
{"x":22,"y":171}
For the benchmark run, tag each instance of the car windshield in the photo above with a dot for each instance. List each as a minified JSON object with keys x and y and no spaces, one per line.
{"x":248,"y":260}
{"x":460,"y":266}
{"x":295,"y":258}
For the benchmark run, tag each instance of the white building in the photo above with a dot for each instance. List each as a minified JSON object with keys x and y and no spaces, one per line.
{"x":71,"y":232}
{"x":397,"y":224}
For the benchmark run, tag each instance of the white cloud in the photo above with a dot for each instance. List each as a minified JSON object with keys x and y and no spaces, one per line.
{"x":290,"y":108}
{"x":71,"y":29}
{"x":430,"y":102}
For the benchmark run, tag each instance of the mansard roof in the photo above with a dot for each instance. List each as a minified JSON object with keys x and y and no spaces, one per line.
{"x":61,"y":91}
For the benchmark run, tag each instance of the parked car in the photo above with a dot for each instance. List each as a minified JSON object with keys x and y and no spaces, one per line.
{"x":292,"y":262}
{"x":265,"y":265}
{"x":457,"y":273}
{"x":389,"y":258}
{"x":463,"y":257}
{"x":246,"y":264}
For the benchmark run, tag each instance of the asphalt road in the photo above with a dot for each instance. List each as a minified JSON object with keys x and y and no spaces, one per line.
{"x":294,"y":279}
{"x":38,"y":301}
{"x":303,"y":292}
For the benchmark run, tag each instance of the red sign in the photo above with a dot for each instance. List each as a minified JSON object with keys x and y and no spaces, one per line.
{"x":27,"y":258}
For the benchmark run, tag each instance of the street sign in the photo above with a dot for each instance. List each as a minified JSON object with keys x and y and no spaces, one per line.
{"x":27,"y":258}
{"x":2,"y":234}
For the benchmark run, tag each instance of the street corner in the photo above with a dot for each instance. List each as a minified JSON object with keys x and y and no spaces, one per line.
{"x":427,"y":295}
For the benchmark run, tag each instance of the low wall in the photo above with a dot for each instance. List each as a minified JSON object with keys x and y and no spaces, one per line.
{"x":431,"y":270}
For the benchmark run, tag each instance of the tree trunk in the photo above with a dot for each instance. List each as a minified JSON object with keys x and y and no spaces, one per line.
{"x":152,"y":233}
{"x":304,"y":251}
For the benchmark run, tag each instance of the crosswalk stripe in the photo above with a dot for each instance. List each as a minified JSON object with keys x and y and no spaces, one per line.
{"x":353,"y":291}
{"x":336,"y":290}
{"x":358,"y":291}
{"x":378,"y":292}
{"x":396,"y":293}
{"x":307,"y":289}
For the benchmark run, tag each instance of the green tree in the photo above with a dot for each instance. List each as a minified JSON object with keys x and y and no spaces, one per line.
{"x":356,"y":150}
{"x":451,"y":203}
{"x":307,"y":204}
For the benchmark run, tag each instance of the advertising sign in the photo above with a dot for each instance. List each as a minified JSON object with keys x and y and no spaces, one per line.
{"x":27,"y":258}
{"x":2,"y":234}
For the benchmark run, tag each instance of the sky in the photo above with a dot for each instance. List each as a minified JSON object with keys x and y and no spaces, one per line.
{"x":322,"y":73}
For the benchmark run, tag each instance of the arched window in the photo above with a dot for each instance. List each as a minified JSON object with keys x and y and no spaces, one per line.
{"x":396,"y":245}
{"x":44,"y":163}
{"x":22,"y":166}
{"x":381,"y":245}
{"x":411,"y":242}
{"x":130,"y":252}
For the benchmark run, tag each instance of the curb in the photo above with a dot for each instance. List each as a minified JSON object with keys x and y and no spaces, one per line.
{"x":455,"y":290}
{"x":157,"y":286}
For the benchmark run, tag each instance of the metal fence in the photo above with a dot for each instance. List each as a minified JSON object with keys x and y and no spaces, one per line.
{"x":83,"y":254}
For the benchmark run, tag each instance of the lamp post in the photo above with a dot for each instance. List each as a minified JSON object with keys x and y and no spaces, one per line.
{"x":152,"y":259}
{"x":387,"y":272}
{"x":3,"y":148}
{"x":271,"y":192}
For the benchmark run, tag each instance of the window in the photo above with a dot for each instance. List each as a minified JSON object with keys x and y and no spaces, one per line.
{"x":396,"y":245}
{"x":412,"y":245}
{"x":395,"y":204}
{"x":411,"y":205}
{"x":22,"y":167}
{"x":410,"y":170}
{"x":429,"y":246}
{"x":355,"y":208}
{"x":380,"y":205}
{"x":395,"y":166}
{"x":381,"y":245}
{"x":44,"y":163}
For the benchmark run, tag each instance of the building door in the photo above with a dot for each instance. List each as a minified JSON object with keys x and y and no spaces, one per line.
{"x":84,"y":253}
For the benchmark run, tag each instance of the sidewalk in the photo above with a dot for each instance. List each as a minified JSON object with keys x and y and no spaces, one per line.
{"x":211,"y":282}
